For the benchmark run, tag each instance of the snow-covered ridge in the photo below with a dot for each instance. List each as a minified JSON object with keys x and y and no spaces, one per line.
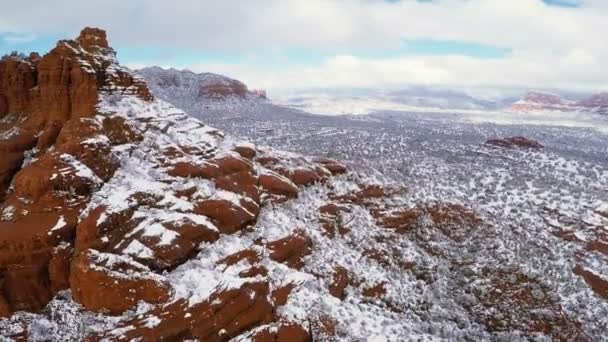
{"x":537,"y":101}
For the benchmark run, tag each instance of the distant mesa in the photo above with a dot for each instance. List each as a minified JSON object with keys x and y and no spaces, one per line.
{"x":196,"y":85}
{"x":261,"y":93}
{"x":538,"y":101}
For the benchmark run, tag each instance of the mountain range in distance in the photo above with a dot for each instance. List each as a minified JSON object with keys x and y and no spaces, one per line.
{"x":213,"y":87}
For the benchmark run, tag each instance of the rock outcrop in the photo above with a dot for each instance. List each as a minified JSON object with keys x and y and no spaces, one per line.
{"x":515,"y":143}
{"x":204,"y":85}
{"x":105,"y":190}
{"x":56,"y":156}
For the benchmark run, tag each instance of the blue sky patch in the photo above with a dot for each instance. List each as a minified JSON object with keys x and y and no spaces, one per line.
{"x":437,"y":47}
{"x":564,"y":3}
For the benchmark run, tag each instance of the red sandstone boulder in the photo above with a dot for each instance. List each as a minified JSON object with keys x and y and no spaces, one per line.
{"x":250,"y":255}
{"x":227,"y":216}
{"x":231,"y":164}
{"x":401,"y":221}
{"x":291,"y":250}
{"x":194,"y":232}
{"x":305,"y":176}
{"x":246,"y":151}
{"x":112,"y":283}
{"x":275,"y":184}
{"x":333,"y":166}
{"x":242,"y":183}
{"x":184,"y":169}
{"x":282,"y":333}
{"x":280,"y":295}
{"x":266,"y":160}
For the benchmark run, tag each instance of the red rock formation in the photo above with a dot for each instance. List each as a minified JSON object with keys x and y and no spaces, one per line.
{"x":283,"y":333}
{"x":597,"y":283}
{"x":515,"y":142}
{"x":246,"y":151}
{"x":291,"y":249}
{"x":59,"y":267}
{"x":53,"y":96}
{"x":333,"y":166}
{"x":107,"y":282}
{"x":225,"y":315}
{"x":62,"y":228}
{"x":331,"y":220}
{"x":340,"y":281}
{"x":227,"y":216}
{"x":275,"y":184}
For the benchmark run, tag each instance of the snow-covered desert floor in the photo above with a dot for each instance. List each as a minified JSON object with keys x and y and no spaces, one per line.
{"x":545,"y":206}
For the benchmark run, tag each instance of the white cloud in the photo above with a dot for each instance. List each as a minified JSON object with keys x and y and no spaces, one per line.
{"x":552,"y":46}
{"x":516,"y":72}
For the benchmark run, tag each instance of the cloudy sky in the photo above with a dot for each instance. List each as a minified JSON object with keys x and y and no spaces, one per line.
{"x":283,"y":45}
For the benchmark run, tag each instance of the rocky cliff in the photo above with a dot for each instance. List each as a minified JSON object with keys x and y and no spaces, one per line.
{"x":51,"y":162}
{"x":105,"y":190}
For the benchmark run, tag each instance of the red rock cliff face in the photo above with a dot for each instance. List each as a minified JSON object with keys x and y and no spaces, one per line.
{"x":66,"y":82}
{"x":72,"y":139}
{"x":41,"y":94}
{"x":47,"y":102}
